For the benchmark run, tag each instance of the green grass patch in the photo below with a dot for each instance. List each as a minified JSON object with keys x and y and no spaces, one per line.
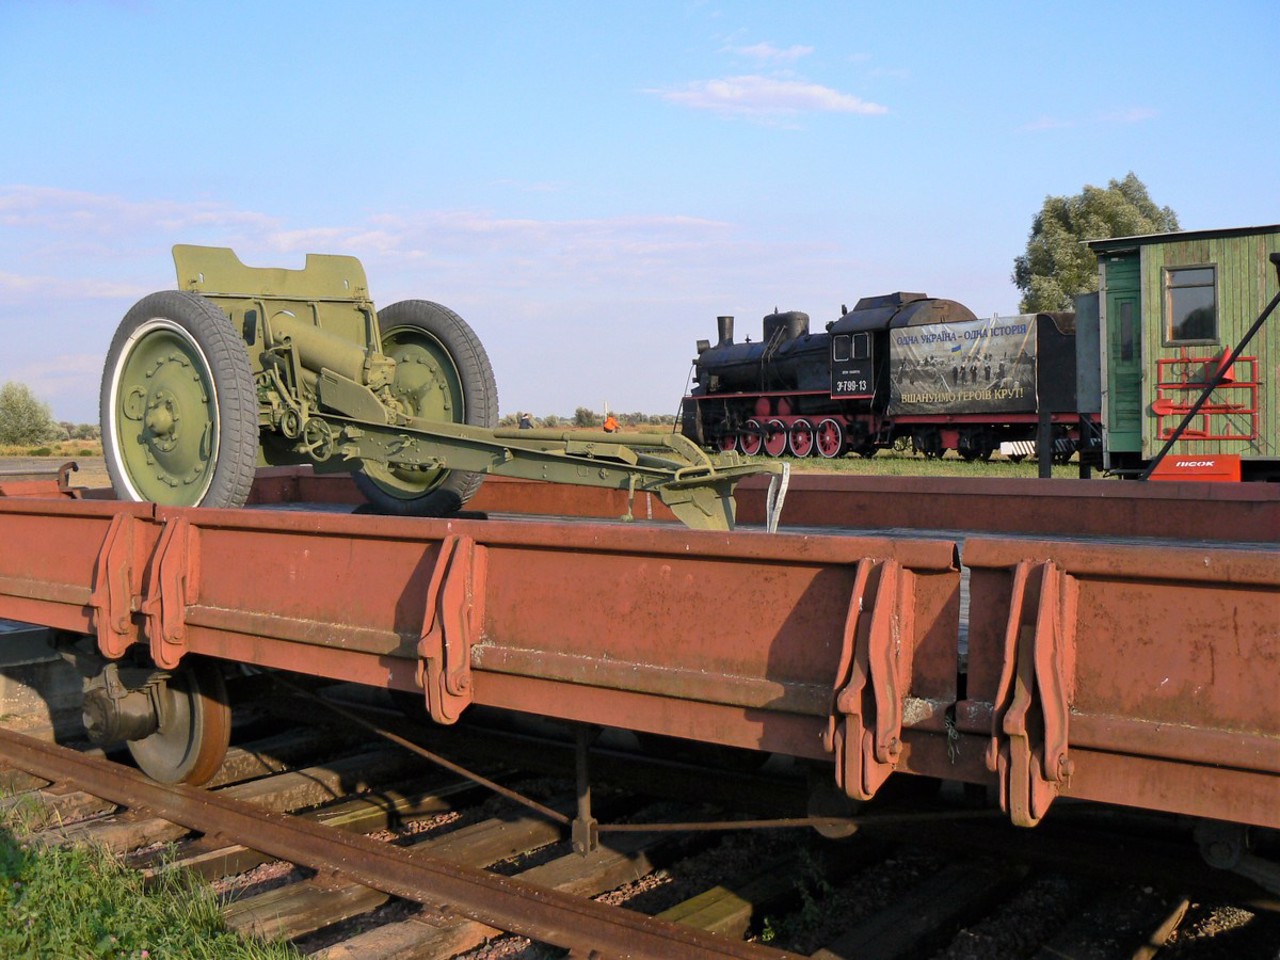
{"x":79,"y":902}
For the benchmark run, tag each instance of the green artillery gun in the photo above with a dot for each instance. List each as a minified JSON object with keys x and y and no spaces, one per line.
{"x":244,"y":367}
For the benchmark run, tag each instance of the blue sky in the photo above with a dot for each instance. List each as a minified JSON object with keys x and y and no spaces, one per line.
{"x":590,"y":184}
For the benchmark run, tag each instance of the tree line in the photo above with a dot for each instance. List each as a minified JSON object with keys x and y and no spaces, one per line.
{"x":586,"y":417}
{"x":25,"y":419}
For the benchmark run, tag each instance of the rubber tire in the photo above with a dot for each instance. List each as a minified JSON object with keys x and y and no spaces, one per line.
{"x":214,"y":341}
{"x":443,"y":328}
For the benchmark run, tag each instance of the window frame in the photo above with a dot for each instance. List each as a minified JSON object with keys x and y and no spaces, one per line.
{"x":1167,"y":288}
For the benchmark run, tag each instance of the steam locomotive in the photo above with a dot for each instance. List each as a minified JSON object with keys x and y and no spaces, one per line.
{"x":904,"y":368}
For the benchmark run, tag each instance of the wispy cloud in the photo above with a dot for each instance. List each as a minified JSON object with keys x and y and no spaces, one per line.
{"x":1118,"y":118}
{"x":540,"y":292}
{"x":764,"y":97}
{"x":53,"y":209}
{"x":13,"y":285}
{"x":1129,"y":116}
{"x":768,"y":53}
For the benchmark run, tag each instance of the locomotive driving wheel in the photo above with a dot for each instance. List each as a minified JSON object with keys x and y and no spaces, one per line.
{"x":829,"y":438}
{"x":178,"y":408}
{"x":752,"y":438}
{"x":193,"y":725}
{"x":775,"y":438}
{"x":801,"y":438}
{"x":442,"y":374}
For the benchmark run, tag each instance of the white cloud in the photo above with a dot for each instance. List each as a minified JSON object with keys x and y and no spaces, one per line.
{"x":768,"y":53}
{"x":53,"y":209}
{"x":759,"y":96}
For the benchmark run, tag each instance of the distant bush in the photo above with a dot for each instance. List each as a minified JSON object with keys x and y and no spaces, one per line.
{"x":23,"y":418}
{"x":40,"y":452}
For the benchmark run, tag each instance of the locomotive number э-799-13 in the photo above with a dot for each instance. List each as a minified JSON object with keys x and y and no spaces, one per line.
{"x":851,"y":386}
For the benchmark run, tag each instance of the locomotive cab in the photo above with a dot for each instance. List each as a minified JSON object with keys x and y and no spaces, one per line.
{"x":860,"y":348}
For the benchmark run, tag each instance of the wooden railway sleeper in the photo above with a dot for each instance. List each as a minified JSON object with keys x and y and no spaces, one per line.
{"x":865,"y":728}
{"x":1028,"y":749}
{"x":452,"y":613}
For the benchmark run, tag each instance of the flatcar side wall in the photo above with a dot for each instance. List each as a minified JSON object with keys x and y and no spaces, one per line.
{"x":1152,"y":674}
{"x":1136,"y":673}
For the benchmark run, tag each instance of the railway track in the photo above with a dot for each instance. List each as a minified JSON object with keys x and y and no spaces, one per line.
{"x":351,"y":847}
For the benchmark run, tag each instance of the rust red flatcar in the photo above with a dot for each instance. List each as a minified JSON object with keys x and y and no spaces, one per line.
{"x":1136,"y":672}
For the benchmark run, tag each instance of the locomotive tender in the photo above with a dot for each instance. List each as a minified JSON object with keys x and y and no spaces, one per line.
{"x":901,"y":367}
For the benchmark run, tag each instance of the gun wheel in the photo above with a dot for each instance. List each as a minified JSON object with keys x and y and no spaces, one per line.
{"x":178,"y":409}
{"x":442,"y":374}
{"x":195,"y":726}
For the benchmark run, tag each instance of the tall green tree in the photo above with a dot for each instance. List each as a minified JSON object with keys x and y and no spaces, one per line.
{"x":23,"y":418}
{"x":1057,"y":265}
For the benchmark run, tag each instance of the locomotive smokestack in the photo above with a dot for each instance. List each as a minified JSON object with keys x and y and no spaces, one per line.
{"x":724,"y":326}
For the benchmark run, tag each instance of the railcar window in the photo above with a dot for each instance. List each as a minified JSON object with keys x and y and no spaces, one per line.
{"x":861,"y":346}
{"x":1190,"y":304}
{"x":1127,"y":333}
{"x":840,"y":348}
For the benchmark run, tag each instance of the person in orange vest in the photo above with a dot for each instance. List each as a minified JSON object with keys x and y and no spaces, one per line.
{"x":610,"y":424}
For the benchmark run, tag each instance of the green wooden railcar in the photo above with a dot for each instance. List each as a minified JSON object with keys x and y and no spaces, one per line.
{"x":1172,"y":308}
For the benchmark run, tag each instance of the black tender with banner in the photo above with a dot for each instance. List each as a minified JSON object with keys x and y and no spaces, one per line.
{"x":973,"y":366}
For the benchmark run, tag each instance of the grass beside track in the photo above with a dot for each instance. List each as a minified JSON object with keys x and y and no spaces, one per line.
{"x":58,"y":903}
{"x":60,"y":449}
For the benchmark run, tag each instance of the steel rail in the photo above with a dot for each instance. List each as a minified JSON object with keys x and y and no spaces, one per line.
{"x":547,"y":916}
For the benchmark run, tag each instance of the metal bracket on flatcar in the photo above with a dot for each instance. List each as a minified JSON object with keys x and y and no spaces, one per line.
{"x":453,"y":612}
{"x":1032,"y":706}
{"x":113,"y":597}
{"x":174,"y":585}
{"x":865,"y":728}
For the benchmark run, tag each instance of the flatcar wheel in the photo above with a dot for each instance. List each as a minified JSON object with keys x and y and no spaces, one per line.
{"x":829,"y":438}
{"x":801,"y":438}
{"x":178,"y":407}
{"x":443,"y":374}
{"x":752,"y":438}
{"x":194,"y":726}
{"x":775,"y":438}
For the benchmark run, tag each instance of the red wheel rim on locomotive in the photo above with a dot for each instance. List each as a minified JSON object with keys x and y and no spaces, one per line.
{"x":800,"y":440}
{"x":752,"y":438}
{"x":775,"y":438}
{"x":830,"y":438}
